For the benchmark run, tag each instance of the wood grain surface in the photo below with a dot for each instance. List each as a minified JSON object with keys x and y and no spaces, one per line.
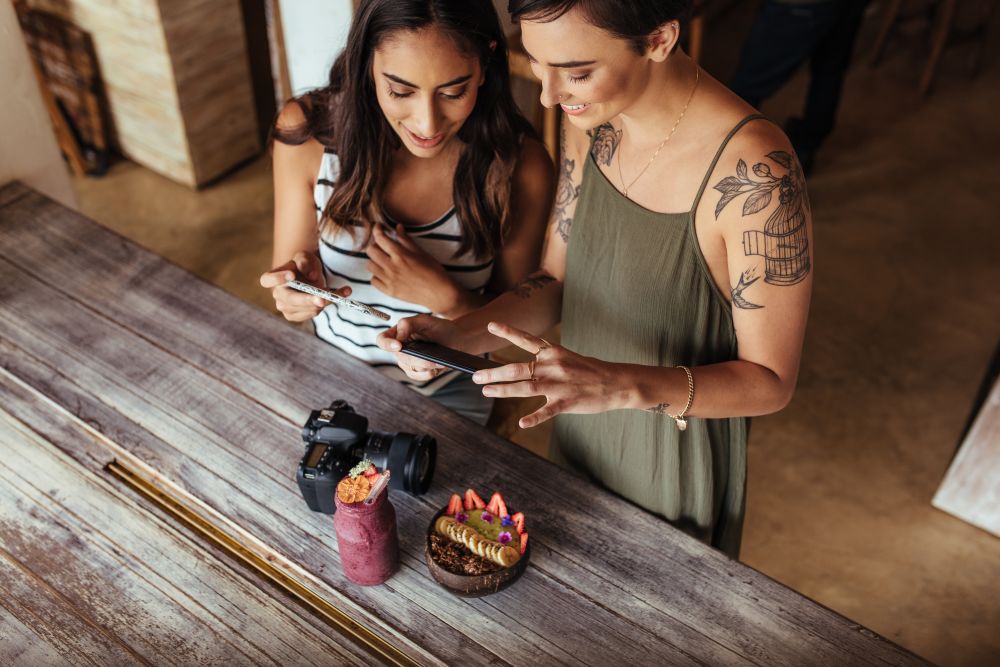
{"x":106,"y":347}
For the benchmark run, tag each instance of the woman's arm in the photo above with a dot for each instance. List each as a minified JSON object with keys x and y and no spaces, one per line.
{"x":532,"y":186}
{"x":295,"y":235}
{"x":534,"y":304}
{"x":761,"y":207}
{"x":295,"y":170}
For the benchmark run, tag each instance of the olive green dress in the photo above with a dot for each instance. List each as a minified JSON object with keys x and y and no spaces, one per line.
{"x":638,"y":291}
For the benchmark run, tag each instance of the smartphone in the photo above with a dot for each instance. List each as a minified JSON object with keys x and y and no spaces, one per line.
{"x":337,"y":299}
{"x":439,"y":354}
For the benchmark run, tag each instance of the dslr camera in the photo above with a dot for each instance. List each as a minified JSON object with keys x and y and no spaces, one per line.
{"x":337,"y":438}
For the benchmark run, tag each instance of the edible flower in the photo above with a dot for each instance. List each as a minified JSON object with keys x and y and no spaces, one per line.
{"x":506,"y":521}
{"x":504,"y":537}
{"x":486,"y":517}
{"x":360,"y":468}
{"x":461,"y":517}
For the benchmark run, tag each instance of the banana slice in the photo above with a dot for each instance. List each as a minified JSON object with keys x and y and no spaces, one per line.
{"x":501,"y":554}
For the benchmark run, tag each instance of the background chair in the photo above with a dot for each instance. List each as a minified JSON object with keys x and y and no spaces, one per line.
{"x":942,"y":18}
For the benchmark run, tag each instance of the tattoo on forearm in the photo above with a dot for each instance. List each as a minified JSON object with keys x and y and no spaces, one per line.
{"x":566,"y":192}
{"x":532,"y":283}
{"x":606,"y":140}
{"x":660,"y":409}
{"x":783,"y":243}
{"x":747,"y":278}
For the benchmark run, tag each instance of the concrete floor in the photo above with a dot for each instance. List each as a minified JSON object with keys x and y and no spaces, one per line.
{"x":904,"y":320}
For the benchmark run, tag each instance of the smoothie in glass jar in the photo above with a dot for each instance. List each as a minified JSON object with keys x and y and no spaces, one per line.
{"x":366,"y":531}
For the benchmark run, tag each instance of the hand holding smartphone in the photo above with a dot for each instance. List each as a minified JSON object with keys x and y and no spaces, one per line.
{"x":446,"y":356}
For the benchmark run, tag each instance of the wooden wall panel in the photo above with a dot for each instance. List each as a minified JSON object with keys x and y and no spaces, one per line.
{"x":177,"y":79}
{"x":207,"y":46}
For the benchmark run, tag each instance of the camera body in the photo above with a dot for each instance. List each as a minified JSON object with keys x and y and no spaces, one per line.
{"x":337,"y":438}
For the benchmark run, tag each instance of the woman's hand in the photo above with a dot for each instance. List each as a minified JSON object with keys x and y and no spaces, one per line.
{"x":294,"y":305}
{"x":420,"y":327}
{"x":568,"y":381}
{"x":402,"y":269}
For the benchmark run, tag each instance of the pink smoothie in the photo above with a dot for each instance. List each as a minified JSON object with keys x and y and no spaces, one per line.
{"x":366,"y":536}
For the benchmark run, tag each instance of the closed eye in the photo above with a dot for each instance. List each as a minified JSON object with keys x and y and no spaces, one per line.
{"x":580,"y":79}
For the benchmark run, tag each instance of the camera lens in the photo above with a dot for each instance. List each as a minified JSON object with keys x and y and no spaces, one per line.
{"x":419,"y":468}
{"x":410,"y":457}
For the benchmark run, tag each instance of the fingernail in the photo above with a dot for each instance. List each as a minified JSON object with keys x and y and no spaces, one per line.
{"x":289,"y":276}
{"x":318,"y":301}
{"x":491,"y":326}
{"x":487,"y":390}
{"x":478,"y":378}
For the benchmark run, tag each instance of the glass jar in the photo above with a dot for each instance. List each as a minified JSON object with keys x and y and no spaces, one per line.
{"x":367,"y":540}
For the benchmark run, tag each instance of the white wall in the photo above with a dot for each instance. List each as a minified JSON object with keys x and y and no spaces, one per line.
{"x":315,"y":32}
{"x":28,"y":149}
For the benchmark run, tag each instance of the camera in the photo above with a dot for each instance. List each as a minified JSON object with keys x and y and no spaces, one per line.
{"x":337,"y":438}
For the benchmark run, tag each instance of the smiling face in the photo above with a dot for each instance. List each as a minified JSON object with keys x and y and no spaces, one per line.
{"x":426,"y":87}
{"x":593,"y":75}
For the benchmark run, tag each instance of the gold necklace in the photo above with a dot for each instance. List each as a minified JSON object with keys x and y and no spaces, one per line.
{"x":626,"y":188}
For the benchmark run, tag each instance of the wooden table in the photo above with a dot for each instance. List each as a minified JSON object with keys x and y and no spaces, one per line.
{"x":150,"y":429}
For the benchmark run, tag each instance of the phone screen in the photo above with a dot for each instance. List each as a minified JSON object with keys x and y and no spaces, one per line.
{"x":446,"y":356}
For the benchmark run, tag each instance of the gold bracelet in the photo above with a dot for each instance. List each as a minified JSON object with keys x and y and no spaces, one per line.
{"x":679,"y":418}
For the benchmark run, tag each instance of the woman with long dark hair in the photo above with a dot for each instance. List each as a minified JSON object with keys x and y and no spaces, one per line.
{"x":410,"y":182}
{"x":678,"y":261}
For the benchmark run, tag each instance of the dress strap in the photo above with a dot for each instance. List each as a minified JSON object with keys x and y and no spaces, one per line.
{"x":715,"y":161}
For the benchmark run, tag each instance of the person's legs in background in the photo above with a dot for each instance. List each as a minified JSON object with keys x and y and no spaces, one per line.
{"x":783,"y":36}
{"x":787,"y":33}
{"x":828,"y":66}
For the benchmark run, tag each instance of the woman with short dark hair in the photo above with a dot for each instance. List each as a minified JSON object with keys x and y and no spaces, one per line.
{"x":678,"y":261}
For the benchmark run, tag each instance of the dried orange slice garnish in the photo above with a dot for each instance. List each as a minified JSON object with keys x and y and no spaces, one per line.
{"x":353,"y":490}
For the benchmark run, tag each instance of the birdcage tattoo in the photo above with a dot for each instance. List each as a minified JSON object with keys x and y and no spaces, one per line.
{"x":784,"y":244}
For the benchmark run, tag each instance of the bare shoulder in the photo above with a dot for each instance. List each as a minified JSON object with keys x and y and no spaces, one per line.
{"x":534,"y":166}
{"x":762,"y":209}
{"x":757,"y":167}
{"x":758,"y":135}
{"x":292,"y":116}
{"x":298,"y":160}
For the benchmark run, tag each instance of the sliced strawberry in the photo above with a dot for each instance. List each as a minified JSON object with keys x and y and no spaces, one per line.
{"x":493,"y":506}
{"x":472,"y":500}
{"x":454,"y":505}
{"x":524,"y":542}
{"x":518,"y":520}
{"x":501,"y":505}
{"x":370,"y":471}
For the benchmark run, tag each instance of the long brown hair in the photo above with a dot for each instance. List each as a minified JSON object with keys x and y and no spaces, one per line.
{"x":345,"y":116}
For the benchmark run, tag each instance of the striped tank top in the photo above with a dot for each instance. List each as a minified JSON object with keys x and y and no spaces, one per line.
{"x":345,"y":263}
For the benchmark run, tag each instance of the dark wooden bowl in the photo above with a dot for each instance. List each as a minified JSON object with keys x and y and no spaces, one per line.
{"x":473,"y":586}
